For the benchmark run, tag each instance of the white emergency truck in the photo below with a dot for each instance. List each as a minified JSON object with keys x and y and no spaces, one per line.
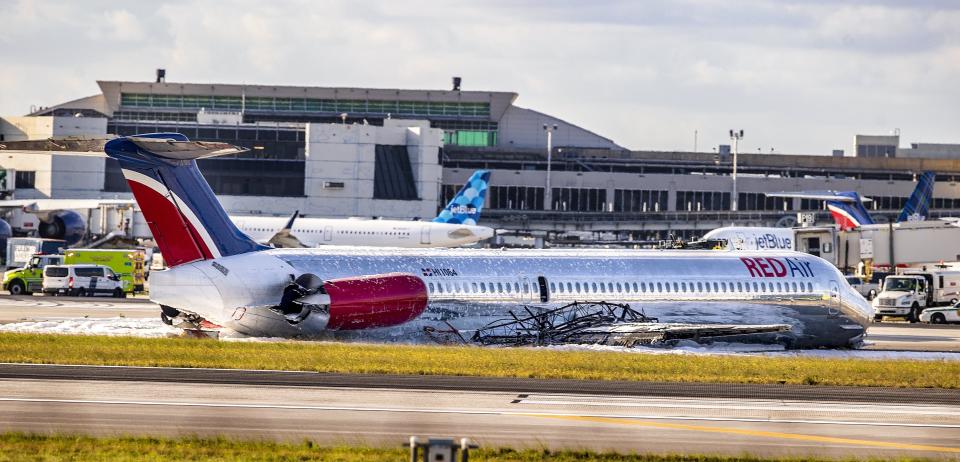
{"x":908,"y":294}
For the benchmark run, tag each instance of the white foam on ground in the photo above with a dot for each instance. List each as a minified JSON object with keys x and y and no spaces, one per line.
{"x":131,"y":327}
{"x":155,"y":328}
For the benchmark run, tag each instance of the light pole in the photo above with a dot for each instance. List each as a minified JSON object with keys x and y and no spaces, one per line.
{"x":548,"y":193}
{"x":735,"y":136}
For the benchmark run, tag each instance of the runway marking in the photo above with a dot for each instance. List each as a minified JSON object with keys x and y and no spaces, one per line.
{"x":613,"y":417}
{"x":759,"y":433}
{"x":953,"y":412}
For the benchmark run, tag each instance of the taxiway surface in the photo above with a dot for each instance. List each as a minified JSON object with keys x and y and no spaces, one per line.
{"x":384,"y":410}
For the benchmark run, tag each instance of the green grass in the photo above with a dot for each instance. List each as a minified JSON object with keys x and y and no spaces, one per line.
{"x":472,"y":361}
{"x":22,"y":447}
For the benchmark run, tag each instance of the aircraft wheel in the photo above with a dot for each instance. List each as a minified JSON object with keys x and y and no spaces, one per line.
{"x":938,"y":318}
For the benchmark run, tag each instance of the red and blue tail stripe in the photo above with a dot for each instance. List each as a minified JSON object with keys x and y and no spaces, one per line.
{"x":181,"y":210}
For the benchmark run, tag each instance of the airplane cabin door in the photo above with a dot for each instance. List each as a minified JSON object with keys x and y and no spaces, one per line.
{"x":544,"y":293}
{"x":425,"y":235}
{"x":835,"y":301}
{"x":327,"y":233}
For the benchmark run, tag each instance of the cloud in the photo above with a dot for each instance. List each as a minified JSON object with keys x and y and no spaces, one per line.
{"x":799,"y":76}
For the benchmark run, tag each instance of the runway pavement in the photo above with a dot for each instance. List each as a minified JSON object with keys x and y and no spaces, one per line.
{"x":687,"y":418}
{"x":888,"y":336}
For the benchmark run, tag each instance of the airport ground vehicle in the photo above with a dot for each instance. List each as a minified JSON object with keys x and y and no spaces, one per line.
{"x":128,"y":264}
{"x":869,"y":290}
{"x":29,"y":279}
{"x":218,"y":275}
{"x":82,"y":280}
{"x":20,"y":250}
{"x":941,"y":314}
{"x":910,"y":293}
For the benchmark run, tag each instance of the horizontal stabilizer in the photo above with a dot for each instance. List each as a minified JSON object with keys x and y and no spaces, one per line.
{"x":819,"y":195}
{"x":179,"y":149}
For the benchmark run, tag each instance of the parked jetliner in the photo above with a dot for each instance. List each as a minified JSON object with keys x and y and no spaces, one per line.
{"x":847,"y":210}
{"x":219,"y":275}
{"x":456,"y":225}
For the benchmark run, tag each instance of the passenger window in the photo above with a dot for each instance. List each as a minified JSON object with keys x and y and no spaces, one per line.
{"x":676,"y":287}
{"x":809,"y":287}
{"x":507,"y":286}
{"x":755,"y":288}
{"x":439,"y":288}
{"x":516,"y":287}
{"x":483,"y":287}
{"x":594,"y":287}
{"x":430,"y":287}
{"x":635,"y":287}
{"x":715,"y":288}
{"x":500,"y":287}
{"x":706,"y":286}
{"x":699,"y":287}
{"x":779,"y":288}
{"x":449,"y":288}
{"x":553,"y":287}
{"x":666,"y":286}
{"x":659,"y":287}
{"x":561,"y":287}
{"x":602,"y":288}
{"x":570,"y":287}
{"x":578,"y":287}
{"x":610,"y":287}
{"x":683,"y":286}
{"x":474,"y":285}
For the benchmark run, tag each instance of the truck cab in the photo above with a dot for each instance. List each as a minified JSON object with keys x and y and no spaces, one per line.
{"x":902,"y":296}
{"x":29,"y":279}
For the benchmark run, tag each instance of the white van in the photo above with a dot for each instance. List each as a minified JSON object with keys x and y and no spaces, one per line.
{"x":81,"y":281}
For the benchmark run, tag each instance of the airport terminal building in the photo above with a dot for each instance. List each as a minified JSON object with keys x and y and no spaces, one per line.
{"x":339,"y":152}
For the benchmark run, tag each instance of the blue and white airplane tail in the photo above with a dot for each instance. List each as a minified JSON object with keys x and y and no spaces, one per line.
{"x":186,"y":219}
{"x":466,"y":206}
{"x":917,"y":207}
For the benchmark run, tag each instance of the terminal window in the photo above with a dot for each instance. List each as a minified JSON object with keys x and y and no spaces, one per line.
{"x":25,"y":179}
{"x":636,"y":200}
{"x":579,"y":199}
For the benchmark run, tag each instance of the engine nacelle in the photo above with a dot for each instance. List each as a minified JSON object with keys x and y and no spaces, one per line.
{"x":66,"y":225}
{"x":380,"y":300}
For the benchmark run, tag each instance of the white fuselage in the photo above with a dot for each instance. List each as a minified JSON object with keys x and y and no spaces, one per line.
{"x":799,"y":286}
{"x":755,"y":238}
{"x":314,"y":232}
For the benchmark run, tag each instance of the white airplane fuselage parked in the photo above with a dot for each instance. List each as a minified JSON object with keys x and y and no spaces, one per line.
{"x":313,"y":232}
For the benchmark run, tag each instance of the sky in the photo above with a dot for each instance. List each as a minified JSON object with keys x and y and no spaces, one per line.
{"x":796,"y":76}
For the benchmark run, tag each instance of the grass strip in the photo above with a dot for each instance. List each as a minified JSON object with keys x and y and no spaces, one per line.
{"x":472,"y":361}
{"x":31,"y":447}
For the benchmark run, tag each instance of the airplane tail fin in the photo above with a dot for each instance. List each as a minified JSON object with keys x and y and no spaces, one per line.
{"x":851,"y":213}
{"x":285,"y":238}
{"x":186,"y":220}
{"x":466,"y":206}
{"x":918,"y":206}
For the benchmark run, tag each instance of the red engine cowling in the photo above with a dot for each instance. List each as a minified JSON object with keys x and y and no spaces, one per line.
{"x":379,"y":300}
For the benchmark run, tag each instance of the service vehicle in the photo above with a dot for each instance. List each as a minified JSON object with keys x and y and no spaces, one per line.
{"x":29,"y":279}
{"x":869,"y":290}
{"x":82,"y":281}
{"x":126,"y":263}
{"x":941,"y":314}
{"x":908,"y":294}
{"x":20,"y":250}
